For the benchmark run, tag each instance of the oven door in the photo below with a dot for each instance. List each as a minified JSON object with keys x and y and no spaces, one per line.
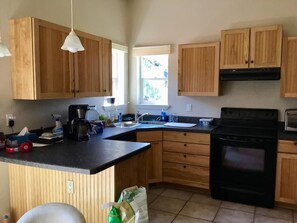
{"x":243,"y":168}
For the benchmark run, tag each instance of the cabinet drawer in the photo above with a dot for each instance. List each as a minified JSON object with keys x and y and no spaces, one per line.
{"x":188,"y":148}
{"x":186,"y":174}
{"x":190,"y":137}
{"x":149,"y":136}
{"x":187,"y":159}
{"x":286,"y":146}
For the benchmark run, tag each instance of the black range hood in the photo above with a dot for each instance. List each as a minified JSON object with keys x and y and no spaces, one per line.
{"x":250,"y":74}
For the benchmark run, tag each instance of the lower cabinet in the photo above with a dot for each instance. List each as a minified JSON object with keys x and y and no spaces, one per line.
{"x":286,"y":173}
{"x":186,"y":158}
{"x":33,"y":186}
{"x":154,"y":154}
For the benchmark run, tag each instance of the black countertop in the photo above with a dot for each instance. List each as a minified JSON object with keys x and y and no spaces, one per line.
{"x":100,"y":152}
{"x":92,"y":156}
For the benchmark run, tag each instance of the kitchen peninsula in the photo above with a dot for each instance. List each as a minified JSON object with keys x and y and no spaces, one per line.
{"x":84,"y":174}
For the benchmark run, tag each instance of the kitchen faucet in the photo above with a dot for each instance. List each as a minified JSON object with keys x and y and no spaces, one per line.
{"x":138,"y":118}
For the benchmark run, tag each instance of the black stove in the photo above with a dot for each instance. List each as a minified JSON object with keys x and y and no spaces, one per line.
{"x":243,"y":156}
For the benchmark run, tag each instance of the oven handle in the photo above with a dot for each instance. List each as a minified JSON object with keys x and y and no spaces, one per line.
{"x":235,"y":140}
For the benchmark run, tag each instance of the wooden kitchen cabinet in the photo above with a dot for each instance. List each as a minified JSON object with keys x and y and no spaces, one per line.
{"x":286,"y":174}
{"x":198,"y":69}
{"x":289,"y":68}
{"x":41,"y":70}
{"x":251,"y":47}
{"x":154,"y":154}
{"x":186,"y":158}
{"x":93,"y":67}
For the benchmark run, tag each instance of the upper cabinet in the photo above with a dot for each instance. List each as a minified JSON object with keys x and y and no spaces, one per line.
{"x":93,"y":66}
{"x":198,"y":69}
{"x":289,"y":68}
{"x":41,"y":70}
{"x":251,"y":47}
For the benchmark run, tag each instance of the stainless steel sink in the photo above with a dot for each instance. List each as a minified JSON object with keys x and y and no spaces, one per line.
{"x":127,"y":124}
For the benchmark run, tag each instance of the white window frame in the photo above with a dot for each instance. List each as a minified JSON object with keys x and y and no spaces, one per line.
{"x":144,"y":51}
{"x":123,"y":79}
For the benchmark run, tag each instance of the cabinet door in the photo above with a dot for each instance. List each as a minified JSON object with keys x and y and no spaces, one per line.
{"x":88,"y":66}
{"x":106,"y":78}
{"x":154,"y":159}
{"x":154,"y":154}
{"x":198,"y":69}
{"x":54,"y":67}
{"x":265,"y":46}
{"x":40,"y":69}
{"x":289,"y":68}
{"x":234,"y":48}
{"x":286,"y":178}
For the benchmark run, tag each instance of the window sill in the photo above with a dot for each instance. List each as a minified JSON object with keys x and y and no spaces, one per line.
{"x":152,"y":107}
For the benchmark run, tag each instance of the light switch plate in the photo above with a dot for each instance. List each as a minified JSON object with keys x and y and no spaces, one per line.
{"x":189,"y":107}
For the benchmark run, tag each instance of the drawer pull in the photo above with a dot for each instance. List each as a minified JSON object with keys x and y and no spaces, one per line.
{"x":185,"y":167}
{"x":185,"y":134}
{"x":295,"y":143}
{"x":185,"y":145}
{"x":185,"y":155}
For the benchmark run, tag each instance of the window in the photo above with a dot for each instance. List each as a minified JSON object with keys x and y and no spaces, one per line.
{"x":153,"y":79}
{"x":119,"y":70}
{"x":152,"y":66}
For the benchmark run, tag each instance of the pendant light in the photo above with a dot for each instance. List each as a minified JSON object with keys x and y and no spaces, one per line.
{"x":72,"y":42}
{"x":4,"y":52}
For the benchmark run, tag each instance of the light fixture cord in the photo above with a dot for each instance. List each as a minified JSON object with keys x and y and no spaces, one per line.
{"x":71,"y":15}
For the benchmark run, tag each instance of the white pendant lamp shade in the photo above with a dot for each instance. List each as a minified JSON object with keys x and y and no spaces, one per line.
{"x":72,"y":42}
{"x":4,"y":52}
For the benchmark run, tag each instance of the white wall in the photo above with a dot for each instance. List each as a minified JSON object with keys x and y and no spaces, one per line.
{"x":158,"y":22}
{"x":99,"y":17}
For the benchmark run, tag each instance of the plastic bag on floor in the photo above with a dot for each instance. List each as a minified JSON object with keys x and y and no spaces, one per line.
{"x":132,"y":207}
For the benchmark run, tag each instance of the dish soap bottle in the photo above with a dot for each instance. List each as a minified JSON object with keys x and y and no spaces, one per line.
{"x":163,"y":116}
{"x":58,"y":130}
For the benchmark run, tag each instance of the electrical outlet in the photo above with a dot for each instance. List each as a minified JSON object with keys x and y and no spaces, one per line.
{"x":70,"y":186}
{"x":189,"y":107}
{"x":9,"y":117}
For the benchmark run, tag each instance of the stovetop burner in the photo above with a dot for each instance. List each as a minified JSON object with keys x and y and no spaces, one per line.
{"x":248,"y":122}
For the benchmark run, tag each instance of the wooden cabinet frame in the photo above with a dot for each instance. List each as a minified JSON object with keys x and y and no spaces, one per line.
{"x":42,"y":70}
{"x":289,"y":68}
{"x":198,"y":69}
{"x":286,"y":172}
{"x":251,"y":47}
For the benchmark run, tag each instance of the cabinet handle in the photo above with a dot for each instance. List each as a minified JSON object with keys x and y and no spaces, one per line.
{"x":185,"y":134}
{"x":73,"y":91}
{"x":246,"y":61}
{"x":252,"y":61}
{"x":295,"y":143}
{"x":104,"y":90}
{"x":185,"y":155}
{"x":185,"y":167}
{"x":77,"y":91}
{"x":185,"y":145}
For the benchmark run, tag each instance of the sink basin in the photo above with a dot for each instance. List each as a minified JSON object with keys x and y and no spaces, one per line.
{"x":127,"y":124}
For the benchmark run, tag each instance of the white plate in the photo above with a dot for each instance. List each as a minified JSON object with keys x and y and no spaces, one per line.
{"x":180,"y":124}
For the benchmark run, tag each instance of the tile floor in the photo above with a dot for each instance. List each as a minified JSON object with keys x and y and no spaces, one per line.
{"x":167,"y":204}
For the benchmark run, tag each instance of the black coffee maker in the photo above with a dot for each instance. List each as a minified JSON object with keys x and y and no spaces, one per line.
{"x":78,"y":126}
